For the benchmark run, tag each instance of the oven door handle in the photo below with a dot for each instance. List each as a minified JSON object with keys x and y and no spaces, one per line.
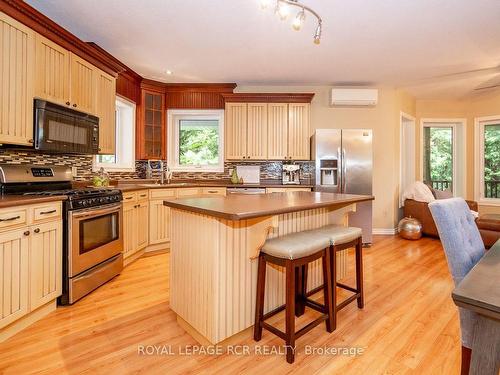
{"x":99,"y":212}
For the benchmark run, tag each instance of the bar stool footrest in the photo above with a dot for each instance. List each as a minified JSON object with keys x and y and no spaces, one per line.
{"x":347,"y":287}
{"x":274,"y":312}
{"x":344,"y":303}
{"x":310,"y":326}
{"x":315,"y":305}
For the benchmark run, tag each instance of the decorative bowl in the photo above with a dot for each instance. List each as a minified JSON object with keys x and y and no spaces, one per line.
{"x":410,"y":228}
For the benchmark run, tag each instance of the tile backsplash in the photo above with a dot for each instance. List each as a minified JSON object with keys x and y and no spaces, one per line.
{"x":269,"y":170}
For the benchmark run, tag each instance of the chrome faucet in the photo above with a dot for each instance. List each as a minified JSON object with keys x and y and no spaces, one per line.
{"x":165,"y":173}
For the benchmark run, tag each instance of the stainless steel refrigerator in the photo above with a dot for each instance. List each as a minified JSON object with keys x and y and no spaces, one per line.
{"x":344,"y":161}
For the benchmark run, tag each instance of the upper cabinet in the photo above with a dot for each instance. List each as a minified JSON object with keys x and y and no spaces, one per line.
{"x":34,"y":66}
{"x":17,"y":64}
{"x":267,"y":126}
{"x":83,"y":85}
{"x":106,"y":111}
{"x":52,"y":71}
{"x":151,"y":128}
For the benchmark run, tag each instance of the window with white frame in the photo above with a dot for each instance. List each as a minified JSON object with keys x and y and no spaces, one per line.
{"x":196,"y":140}
{"x":124,"y":158}
{"x":488,"y":159}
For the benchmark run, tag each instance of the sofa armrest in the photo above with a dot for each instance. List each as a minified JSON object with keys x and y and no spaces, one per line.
{"x":472,"y":205}
{"x":421,"y":212}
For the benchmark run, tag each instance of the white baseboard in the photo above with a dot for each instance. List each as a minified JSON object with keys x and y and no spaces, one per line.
{"x":385,"y":231}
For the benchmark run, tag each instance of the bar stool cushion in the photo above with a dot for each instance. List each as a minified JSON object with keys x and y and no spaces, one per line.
{"x":338,"y":234}
{"x":296,"y":245}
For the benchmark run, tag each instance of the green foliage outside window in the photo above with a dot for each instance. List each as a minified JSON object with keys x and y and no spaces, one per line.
{"x":438,"y":154}
{"x":198,"y":142}
{"x":492,"y":161}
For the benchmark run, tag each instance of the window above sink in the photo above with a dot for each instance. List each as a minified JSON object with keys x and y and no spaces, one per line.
{"x":196,"y":140}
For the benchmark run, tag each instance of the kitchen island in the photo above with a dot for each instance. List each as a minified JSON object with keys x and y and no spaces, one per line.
{"x":214,"y":245}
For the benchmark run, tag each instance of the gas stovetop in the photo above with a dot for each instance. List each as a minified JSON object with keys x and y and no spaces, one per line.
{"x":53,"y":180}
{"x":84,"y":198}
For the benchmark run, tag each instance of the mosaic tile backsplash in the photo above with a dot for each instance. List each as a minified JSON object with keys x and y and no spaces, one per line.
{"x":83,"y":163}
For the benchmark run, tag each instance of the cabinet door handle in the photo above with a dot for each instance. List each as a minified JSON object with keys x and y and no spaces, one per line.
{"x":31,"y":141}
{"x":212,"y":191}
{"x":11,"y":218}
{"x":68,"y":103}
{"x":48,"y":212}
{"x":74,"y":105}
{"x":143,"y":195}
{"x":27,"y":233}
{"x":37,"y":230}
{"x":128,"y":198}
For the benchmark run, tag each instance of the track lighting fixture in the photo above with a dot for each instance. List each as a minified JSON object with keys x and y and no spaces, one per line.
{"x":282,"y":9}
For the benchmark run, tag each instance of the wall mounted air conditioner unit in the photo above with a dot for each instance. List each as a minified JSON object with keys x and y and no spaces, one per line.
{"x":354,"y":97}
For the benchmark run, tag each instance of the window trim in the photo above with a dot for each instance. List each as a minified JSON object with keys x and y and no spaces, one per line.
{"x":123,"y":167}
{"x":458,"y":125}
{"x":479,"y":124}
{"x":173,"y":138}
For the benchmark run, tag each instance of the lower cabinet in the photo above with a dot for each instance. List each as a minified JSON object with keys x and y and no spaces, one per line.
{"x":135,"y":222}
{"x":159,"y":222}
{"x":30,"y":263}
{"x":45,"y":263}
{"x":14,"y":279}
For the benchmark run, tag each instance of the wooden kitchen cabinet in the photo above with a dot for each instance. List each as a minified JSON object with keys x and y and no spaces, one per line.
{"x":256,"y":135}
{"x":151,"y":126}
{"x":277,"y":133}
{"x":235,"y":124}
{"x":52,"y":79}
{"x":17,"y":68}
{"x":83,"y":84}
{"x":30,"y":264}
{"x":267,"y":131}
{"x":14,"y":275}
{"x":159,"y":222}
{"x":106,"y":111}
{"x":135,"y":222}
{"x":45,"y":263}
{"x":299,"y":131}
{"x":66,"y":79}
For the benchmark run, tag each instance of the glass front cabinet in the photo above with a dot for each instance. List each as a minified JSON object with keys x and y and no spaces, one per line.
{"x":151,"y":131}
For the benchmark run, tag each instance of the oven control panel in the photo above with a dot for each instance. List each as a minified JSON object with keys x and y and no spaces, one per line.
{"x":42,"y":172}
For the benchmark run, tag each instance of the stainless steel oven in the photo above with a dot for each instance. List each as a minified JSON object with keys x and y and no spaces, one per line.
{"x":64,"y":130}
{"x":95,"y":244}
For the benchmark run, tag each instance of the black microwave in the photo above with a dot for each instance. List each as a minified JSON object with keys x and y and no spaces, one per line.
{"x":59,"y":129}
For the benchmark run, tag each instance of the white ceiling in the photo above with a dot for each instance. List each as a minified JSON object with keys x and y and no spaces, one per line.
{"x":397,"y":43}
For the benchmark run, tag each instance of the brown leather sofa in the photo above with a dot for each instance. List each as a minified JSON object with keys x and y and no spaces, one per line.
{"x":489,"y":227}
{"x":489,"y":224}
{"x":421,"y":212}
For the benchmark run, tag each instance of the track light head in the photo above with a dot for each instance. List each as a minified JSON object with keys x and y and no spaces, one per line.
{"x":317,"y":34}
{"x":299,"y":20}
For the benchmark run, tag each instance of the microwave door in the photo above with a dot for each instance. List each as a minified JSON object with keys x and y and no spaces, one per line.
{"x":53,"y":130}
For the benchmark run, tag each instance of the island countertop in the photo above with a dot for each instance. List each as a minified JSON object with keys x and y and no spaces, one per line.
{"x":241,"y":206}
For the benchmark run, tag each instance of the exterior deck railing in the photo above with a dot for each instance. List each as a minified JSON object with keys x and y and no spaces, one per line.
{"x":492,"y":189}
{"x":442,"y":184}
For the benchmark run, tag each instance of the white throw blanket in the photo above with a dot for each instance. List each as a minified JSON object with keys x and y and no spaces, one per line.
{"x":419,"y":192}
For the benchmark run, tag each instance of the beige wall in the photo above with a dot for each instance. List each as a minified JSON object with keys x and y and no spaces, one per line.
{"x":480,"y":105}
{"x":384,"y":119}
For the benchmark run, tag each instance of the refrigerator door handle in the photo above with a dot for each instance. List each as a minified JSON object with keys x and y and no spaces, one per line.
{"x":339,"y":171}
{"x":344,"y":171}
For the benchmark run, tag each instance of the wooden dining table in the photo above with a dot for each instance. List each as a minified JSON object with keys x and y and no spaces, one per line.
{"x":479,"y":291}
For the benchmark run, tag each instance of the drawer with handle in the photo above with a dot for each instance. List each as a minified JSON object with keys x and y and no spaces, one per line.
{"x":213,"y":191}
{"x":41,"y":213}
{"x":142,"y":195}
{"x":11,"y":218}
{"x":130,"y":196}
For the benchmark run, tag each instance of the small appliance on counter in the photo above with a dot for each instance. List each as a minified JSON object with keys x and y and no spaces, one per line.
{"x":92,"y":225}
{"x":291,"y":174}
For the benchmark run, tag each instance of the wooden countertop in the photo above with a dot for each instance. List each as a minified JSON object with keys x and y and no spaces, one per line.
{"x":479,"y":290}
{"x":132,"y":186}
{"x":18,"y":200}
{"x":241,"y":206}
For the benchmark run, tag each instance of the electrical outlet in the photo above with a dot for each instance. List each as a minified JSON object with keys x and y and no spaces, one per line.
{"x":74,"y":171}
{"x":230,"y":171}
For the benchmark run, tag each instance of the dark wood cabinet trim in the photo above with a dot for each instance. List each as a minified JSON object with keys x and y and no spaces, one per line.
{"x":268,"y":97}
{"x":43,"y":25}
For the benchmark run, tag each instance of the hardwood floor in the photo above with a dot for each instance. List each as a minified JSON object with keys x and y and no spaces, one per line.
{"x":409,"y":326}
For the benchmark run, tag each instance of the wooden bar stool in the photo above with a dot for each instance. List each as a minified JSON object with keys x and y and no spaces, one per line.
{"x":342,"y":238}
{"x":292,"y":252}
